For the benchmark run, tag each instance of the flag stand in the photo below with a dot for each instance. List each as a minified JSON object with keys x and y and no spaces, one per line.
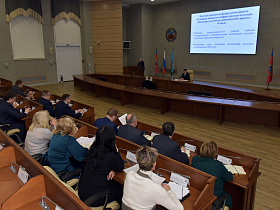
{"x":267,"y":89}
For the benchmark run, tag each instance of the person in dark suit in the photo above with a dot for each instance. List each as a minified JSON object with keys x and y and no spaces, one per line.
{"x":17,"y":88}
{"x":185,"y":75}
{"x":62,"y":108}
{"x":45,"y":101}
{"x":102,"y":163}
{"x":108,"y":120}
{"x":29,"y":95}
{"x":208,"y":164}
{"x":141,"y":63}
{"x":131,"y":133}
{"x":166,"y":146}
{"x":10,"y":115}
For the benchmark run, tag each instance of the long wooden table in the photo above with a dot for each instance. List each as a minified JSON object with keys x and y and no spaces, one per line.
{"x":16,"y":195}
{"x":243,"y":187}
{"x":201,"y":184}
{"x":243,"y":111}
{"x":218,"y":90}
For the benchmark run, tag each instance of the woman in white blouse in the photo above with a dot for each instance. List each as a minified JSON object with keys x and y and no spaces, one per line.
{"x":140,"y":192}
{"x":39,"y":134}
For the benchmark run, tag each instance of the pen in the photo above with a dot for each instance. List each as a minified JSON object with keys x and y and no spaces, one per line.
{"x":131,"y":162}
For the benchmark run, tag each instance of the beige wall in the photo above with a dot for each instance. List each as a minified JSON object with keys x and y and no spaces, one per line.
{"x":107,"y":36}
{"x":177,"y":15}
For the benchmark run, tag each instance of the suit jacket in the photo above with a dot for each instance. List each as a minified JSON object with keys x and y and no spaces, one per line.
{"x":62,"y":108}
{"x":141,"y":64}
{"x":17,"y":90}
{"x":9,"y":114}
{"x":186,"y":76}
{"x":47,"y":105}
{"x":166,"y":146}
{"x":133,"y":134}
{"x":105,"y":121}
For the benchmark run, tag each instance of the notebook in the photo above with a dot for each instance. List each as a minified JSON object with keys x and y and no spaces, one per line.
{"x":178,"y":190}
{"x":234,"y":169}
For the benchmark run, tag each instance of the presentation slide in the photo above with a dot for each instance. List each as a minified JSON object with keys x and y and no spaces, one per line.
{"x":232,"y":31}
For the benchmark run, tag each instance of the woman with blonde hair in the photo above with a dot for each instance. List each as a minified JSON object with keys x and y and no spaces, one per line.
{"x":207,"y":163}
{"x":63,"y":146}
{"x":141,"y":192}
{"x":39,"y":134}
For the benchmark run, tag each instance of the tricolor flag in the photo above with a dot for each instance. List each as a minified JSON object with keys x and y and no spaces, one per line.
{"x":270,"y":70}
{"x":156,"y":63}
{"x":172,"y":63}
{"x":164,"y":63}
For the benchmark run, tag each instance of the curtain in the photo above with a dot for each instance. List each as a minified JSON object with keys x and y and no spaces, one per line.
{"x":27,"y":8}
{"x":68,"y":9}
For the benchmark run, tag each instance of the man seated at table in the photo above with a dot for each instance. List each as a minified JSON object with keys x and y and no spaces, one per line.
{"x":131,"y":133}
{"x":29,"y":95}
{"x":63,"y":108}
{"x":17,"y":88}
{"x":10,"y":115}
{"x":45,"y":101}
{"x":108,"y":120}
{"x":166,"y":146}
{"x":185,"y":75}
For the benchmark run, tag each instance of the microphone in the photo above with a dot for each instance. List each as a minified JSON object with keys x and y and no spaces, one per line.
{"x":184,"y":140}
{"x":186,"y":176}
{"x":126,"y":150}
{"x":231,"y":156}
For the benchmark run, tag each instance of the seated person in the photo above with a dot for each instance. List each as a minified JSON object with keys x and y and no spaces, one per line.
{"x":208,"y":164}
{"x":166,"y":146}
{"x":108,"y":120}
{"x":103,"y":159}
{"x":39,"y":134}
{"x":45,"y":101}
{"x":63,"y":146}
{"x":131,"y":133}
{"x":185,"y":75}
{"x":63,"y":108}
{"x":17,"y":88}
{"x":10,"y":115}
{"x":29,"y":95}
{"x":140,"y":191}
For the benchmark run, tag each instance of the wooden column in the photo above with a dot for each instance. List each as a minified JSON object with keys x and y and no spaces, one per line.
{"x":107,"y":36}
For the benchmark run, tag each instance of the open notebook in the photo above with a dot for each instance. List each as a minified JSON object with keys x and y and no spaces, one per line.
{"x":179,"y":190}
{"x":234,"y":169}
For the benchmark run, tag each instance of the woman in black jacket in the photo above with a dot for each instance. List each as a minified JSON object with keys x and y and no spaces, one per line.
{"x":103,"y":160}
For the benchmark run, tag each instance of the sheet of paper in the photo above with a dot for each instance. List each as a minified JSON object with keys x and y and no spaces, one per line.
{"x":188,"y":152}
{"x":148,"y":137}
{"x":178,"y":190}
{"x":131,"y":156}
{"x":86,"y":142}
{"x":157,"y":179}
{"x":122,"y":119}
{"x":85,"y":110}
{"x":134,"y":168}
{"x":224,"y":160}
{"x":1,"y":147}
{"x":190,"y":147}
{"x":154,"y":134}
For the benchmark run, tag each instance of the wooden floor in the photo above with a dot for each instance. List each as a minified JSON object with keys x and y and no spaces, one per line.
{"x":256,"y":140}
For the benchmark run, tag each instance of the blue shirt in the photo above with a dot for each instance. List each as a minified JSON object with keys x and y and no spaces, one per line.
{"x":60,"y":149}
{"x":105,"y":121}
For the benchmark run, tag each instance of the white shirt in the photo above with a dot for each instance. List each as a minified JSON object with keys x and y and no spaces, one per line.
{"x":142,"y":193}
{"x":37,"y":141}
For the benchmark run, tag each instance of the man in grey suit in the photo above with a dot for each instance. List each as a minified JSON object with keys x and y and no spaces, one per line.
{"x":131,"y":133}
{"x":166,"y":146}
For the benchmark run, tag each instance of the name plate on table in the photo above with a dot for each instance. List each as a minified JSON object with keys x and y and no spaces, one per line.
{"x":1,"y":147}
{"x":179,"y":179}
{"x":224,"y":160}
{"x":22,"y":175}
{"x":131,"y":156}
{"x":190,"y":147}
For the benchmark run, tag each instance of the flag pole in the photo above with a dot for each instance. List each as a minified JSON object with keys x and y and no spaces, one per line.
{"x":270,"y":71}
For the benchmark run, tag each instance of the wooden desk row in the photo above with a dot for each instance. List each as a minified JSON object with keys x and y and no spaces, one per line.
{"x":201,"y":184}
{"x":218,"y":90}
{"x":257,"y":112}
{"x":243,"y":187}
{"x":16,"y":195}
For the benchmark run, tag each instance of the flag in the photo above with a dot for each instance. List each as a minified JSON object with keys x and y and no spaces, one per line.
{"x":270,"y":69}
{"x":164,"y":63}
{"x":172,"y":63}
{"x":156,"y":63}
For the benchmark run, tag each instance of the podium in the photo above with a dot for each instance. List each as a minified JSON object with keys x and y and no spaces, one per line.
{"x":133,"y":70}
